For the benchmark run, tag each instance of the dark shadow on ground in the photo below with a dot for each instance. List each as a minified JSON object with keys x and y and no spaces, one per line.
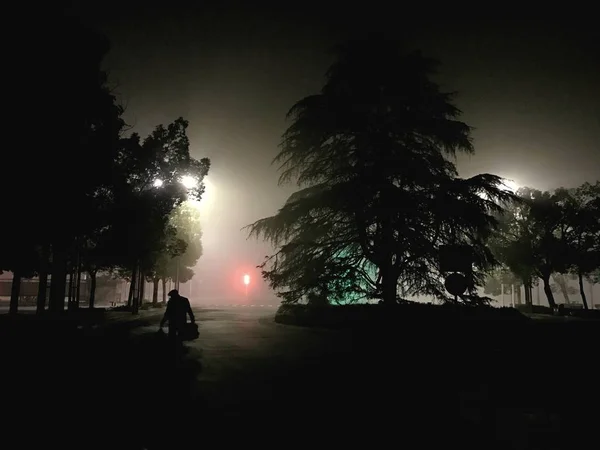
{"x":70,"y":387}
{"x":492,"y":386}
{"x":480,"y":385}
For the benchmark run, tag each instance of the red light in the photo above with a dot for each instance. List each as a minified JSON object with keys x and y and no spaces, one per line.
{"x":246,"y":279}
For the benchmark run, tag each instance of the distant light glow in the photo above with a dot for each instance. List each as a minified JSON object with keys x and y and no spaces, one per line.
{"x":189,"y":182}
{"x":208,"y":197}
{"x":511,"y":185}
{"x":246,"y":279}
{"x":158,"y":183}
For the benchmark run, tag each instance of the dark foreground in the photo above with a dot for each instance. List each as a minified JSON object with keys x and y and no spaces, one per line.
{"x":251,"y":382}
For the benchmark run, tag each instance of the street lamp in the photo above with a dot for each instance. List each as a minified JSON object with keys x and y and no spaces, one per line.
{"x":246,"y":283}
{"x":189,"y":182}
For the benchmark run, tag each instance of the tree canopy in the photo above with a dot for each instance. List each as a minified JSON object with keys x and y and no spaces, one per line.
{"x":102,"y":200}
{"x":372,"y":154}
{"x":177,"y":263}
{"x":548,"y":235}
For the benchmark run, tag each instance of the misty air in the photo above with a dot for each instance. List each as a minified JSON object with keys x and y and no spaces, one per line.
{"x":307,"y":225}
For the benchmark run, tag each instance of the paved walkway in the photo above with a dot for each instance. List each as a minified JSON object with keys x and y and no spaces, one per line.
{"x":247,"y":379}
{"x":256,"y":371}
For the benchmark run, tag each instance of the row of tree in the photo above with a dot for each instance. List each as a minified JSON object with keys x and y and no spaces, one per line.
{"x":373,"y":154}
{"x":548,"y":236}
{"x":97,"y":199}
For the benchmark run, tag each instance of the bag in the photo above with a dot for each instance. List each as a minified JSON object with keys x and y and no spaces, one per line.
{"x":190,"y":332}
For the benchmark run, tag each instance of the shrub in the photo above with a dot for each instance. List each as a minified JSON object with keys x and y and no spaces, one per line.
{"x":376,"y":315}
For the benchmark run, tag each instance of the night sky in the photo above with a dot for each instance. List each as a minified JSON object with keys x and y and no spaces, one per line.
{"x":530,"y":87}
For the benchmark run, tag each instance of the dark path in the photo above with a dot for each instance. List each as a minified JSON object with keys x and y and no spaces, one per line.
{"x":248,"y":381}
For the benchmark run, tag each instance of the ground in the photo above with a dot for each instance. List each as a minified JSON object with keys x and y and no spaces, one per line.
{"x":250,"y":381}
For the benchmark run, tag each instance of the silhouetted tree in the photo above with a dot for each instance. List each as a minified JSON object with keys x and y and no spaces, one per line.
{"x":83,"y":134}
{"x":540,"y":239}
{"x":171,"y":249}
{"x":20,"y":257}
{"x":548,"y":235}
{"x":182,"y":250}
{"x":97,"y":207}
{"x":149,"y":190}
{"x":582,"y":209}
{"x":379,"y":192}
{"x":514,"y":244}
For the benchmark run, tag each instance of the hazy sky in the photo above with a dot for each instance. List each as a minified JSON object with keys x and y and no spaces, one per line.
{"x":529,"y":87}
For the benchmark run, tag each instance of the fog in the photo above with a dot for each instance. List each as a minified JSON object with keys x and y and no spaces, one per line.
{"x":235,"y":74}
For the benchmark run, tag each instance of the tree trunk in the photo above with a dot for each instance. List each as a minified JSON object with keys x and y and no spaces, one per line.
{"x":92,"y":288}
{"x":531,"y":292}
{"x":548,"y":291}
{"x":389,"y":285}
{"x":74,"y":286}
{"x":70,"y":297}
{"x":78,"y":287}
{"x":42,"y":290}
{"x":142,"y":289}
{"x":42,"y":280}
{"x":517,"y":294}
{"x":15,"y":291}
{"x":389,"y":282}
{"x":526,"y":291}
{"x":581,"y":290}
{"x":164,"y":290}
{"x":137,"y":296}
{"x":132,"y":287}
{"x":59,"y":278}
{"x":155,"y":292}
{"x":560,"y":281}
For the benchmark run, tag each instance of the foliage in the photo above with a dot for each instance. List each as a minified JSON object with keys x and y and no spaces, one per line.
{"x":98,"y":203}
{"x":68,"y":158}
{"x":365,"y":316}
{"x":185,"y":247}
{"x":594,"y":277}
{"x":547,"y":234}
{"x":379,"y":193}
{"x":83,"y":130}
{"x":141,"y":231}
{"x":582,"y":211}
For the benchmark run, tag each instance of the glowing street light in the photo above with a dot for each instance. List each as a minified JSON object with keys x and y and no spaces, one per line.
{"x":246,"y":283}
{"x":189,"y":182}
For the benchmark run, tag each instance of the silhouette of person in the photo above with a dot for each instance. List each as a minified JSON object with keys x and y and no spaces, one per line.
{"x":178,"y":308}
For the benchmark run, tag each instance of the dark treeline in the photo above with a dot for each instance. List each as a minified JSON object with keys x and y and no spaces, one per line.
{"x":83,"y":194}
{"x":373,"y":154}
{"x":548,"y":236}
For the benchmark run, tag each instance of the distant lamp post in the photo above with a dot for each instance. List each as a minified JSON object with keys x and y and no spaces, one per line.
{"x":246,"y":283}
{"x":158,"y":183}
